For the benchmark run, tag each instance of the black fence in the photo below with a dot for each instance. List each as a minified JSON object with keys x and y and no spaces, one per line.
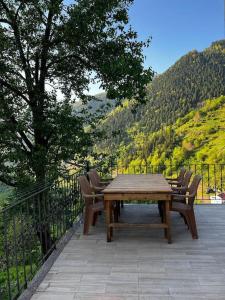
{"x":30,"y":230}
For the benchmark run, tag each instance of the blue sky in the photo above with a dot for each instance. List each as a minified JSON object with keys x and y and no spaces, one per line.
{"x":176,"y":27}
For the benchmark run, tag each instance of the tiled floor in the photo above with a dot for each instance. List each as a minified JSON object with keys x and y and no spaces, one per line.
{"x":139,"y":264}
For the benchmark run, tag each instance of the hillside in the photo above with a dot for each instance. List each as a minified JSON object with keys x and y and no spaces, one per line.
{"x":183,"y":87}
{"x":98,"y":103}
{"x":198,"y":137}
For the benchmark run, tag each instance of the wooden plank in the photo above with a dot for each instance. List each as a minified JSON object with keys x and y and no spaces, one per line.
{"x":139,"y":225}
{"x":137,"y":196}
{"x":149,"y":183}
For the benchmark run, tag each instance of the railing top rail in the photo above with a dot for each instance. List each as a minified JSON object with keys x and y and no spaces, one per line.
{"x":167,"y":164}
{"x":32,"y":193}
{"x":30,"y":190}
{"x":24,"y":199}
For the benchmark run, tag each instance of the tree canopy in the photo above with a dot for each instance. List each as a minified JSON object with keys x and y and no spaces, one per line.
{"x":49,"y":54}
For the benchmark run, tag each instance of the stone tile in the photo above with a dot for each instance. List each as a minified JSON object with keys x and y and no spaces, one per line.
{"x":154,"y":297}
{"x":122,"y":288}
{"x":159,"y":290}
{"x":104,"y":297}
{"x":123,"y":277}
{"x":139,"y":264}
{"x":190,"y":297}
{"x":53,"y":296}
{"x":91,"y":288}
{"x":61,"y":287}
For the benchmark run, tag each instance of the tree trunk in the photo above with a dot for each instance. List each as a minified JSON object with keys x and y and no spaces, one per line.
{"x":39,"y":162}
{"x":42,"y":212}
{"x":44,"y":236}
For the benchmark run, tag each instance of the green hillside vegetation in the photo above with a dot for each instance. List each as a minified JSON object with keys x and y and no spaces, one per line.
{"x":198,"y":137}
{"x":183,"y":87}
{"x":5,"y":193}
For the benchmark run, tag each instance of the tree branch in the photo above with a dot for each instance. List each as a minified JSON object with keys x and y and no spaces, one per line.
{"x":14,"y":25}
{"x":11,"y":71}
{"x":5,"y":21}
{"x":36,"y":5}
{"x":22,"y":57}
{"x":23,"y":145}
{"x":5,"y":6}
{"x":36,"y":75}
{"x":7,"y":181}
{"x":18,"y":9}
{"x":45,"y":47}
{"x":10,"y":118}
{"x":75,"y":164}
{"x":21,"y":133}
{"x":61,"y":59}
{"x":14,"y":89}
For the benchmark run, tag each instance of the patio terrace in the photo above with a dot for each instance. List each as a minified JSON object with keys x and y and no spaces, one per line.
{"x":139,"y":264}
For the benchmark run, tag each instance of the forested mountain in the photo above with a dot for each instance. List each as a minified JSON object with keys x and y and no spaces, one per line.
{"x":184,"y":86}
{"x":96,"y":104}
{"x":198,"y":137}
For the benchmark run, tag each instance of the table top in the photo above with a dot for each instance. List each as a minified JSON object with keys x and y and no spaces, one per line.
{"x":143,"y":183}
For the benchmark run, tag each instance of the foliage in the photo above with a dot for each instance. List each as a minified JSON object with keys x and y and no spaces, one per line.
{"x":13,"y":275}
{"x":183,"y":87}
{"x":49,"y":49}
{"x":190,"y":140}
{"x":5,"y":193}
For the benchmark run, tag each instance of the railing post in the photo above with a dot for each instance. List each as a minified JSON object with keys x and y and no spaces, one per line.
{"x":221,"y":177}
{"x":87,"y":166}
{"x":6,"y":254}
{"x":202,"y":174}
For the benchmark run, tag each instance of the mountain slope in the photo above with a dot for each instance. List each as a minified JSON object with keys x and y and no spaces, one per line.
{"x":198,"y":137}
{"x":192,"y":79}
{"x":98,"y":103}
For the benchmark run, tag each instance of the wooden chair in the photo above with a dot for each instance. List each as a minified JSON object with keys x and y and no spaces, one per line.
{"x":181,"y":190}
{"x":186,"y":205}
{"x":100,"y":180}
{"x":99,"y":185}
{"x":184,"y":184}
{"x":96,"y":184}
{"x":177,"y":181}
{"x":94,"y":203}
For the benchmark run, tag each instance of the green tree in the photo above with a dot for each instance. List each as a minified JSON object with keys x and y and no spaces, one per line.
{"x":48,"y":48}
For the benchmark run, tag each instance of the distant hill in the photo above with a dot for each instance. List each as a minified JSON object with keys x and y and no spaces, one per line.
{"x":183,"y":87}
{"x":97,"y":103}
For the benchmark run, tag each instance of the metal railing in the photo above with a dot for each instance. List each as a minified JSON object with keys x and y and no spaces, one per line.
{"x":31,"y":227}
{"x":30,"y":230}
{"x":211,"y":186}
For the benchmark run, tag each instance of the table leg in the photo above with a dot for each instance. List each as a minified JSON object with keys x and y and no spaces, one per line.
{"x":108,"y":219}
{"x":111,"y":218}
{"x":163,"y":208}
{"x":167,"y":219}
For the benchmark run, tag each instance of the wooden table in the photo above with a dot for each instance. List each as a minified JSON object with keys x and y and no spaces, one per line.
{"x":141,"y":188}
